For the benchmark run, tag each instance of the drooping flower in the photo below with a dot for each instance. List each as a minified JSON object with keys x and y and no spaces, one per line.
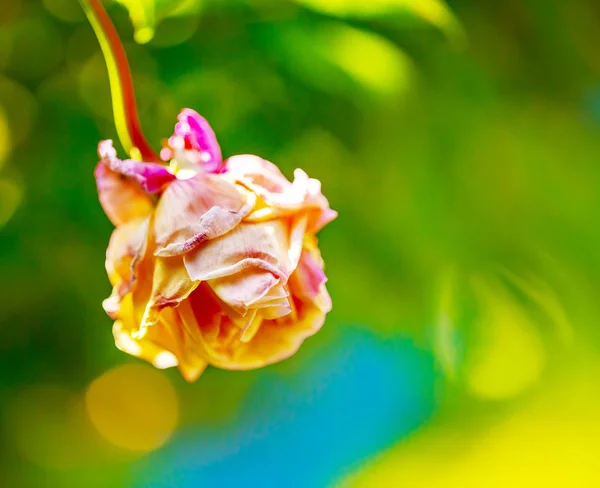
{"x":212,"y":262}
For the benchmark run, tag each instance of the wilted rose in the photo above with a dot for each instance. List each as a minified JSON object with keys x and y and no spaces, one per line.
{"x":211,"y":262}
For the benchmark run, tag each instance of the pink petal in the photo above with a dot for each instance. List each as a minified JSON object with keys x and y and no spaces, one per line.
{"x":151,"y":177}
{"x":123,"y":185}
{"x":261,"y":246}
{"x":282,"y":197}
{"x":323,"y":218}
{"x":194,"y":135}
{"x":196,"y":210}
{"x":256,"y":289}
{"x":262,"y":176}
{"x":311,"y":273}
{"x":247,"y":269}
{"x":308,"y":280}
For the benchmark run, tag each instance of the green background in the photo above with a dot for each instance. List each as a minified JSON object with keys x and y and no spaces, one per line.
{"x":461,"y":152}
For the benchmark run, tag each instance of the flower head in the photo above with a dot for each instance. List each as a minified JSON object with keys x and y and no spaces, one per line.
{"x":211,"y":261}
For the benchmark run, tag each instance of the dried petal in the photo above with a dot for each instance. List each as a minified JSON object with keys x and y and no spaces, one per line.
{"x":152,"y":177}
{"x":165,"y":344}
{"x":126,"y":245}
{"x":198,"y":209}
{"x":273,"y":341}
{"x":253,"y":288}
{"x":123,"y":186}
{"x":308,"y":281}
{"x":122,"y":199}
{"x":281,"y":198}
{"x":170,"y":285}
{"x":262,"y":246}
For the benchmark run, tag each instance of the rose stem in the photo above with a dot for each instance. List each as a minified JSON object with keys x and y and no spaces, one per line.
{"x":121,"y":83}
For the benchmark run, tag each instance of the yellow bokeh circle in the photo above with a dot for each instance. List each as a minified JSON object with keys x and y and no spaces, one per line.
{"x":134,"y":407}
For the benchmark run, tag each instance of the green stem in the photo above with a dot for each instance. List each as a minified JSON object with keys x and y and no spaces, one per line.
{"x":121,"y":84}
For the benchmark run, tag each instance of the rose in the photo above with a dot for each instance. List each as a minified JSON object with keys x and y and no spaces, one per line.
{"x":211,"y":262}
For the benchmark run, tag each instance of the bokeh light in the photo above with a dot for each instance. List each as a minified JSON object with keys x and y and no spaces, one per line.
{"x":4,"y":137}
{"x":133,"y":407}
{"x":19,"y":107}
{"x":382,"y":68}
{"x":10,"y":198}
{"x":146,"y":15}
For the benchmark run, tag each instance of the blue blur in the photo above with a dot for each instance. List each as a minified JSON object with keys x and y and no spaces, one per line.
{"x":365,"y":394}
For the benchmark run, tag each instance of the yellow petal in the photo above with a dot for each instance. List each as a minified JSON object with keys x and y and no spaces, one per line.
{"x":126,"y":245}
{"x":260,"y":345}
{"x":165,"y":343}
{"x":249,"y":332}
{"x":170,"y":285}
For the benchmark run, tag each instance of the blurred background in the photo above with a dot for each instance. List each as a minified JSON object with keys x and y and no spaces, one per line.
{"x":459,"y":142}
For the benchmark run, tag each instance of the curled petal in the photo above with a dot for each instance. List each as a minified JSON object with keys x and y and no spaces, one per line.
{"x":281,"y":198}
{"x":241,"y":290}
{"x":166,"y":343}
{"x":125,"y":242}
{"x":147,"y":327}
{"x":152,"y":177}
{"x":213,"y":223}
{"x":297,"y":230}
{"x":171,"y":282}
{"x":247,"y":269}
{"x":254,"y":288}
{"x":264,"y":178}
{"x":198,"y":209}
{"x":123,"y":186}
{"x":250,"y":331}
{"x":122,"y":259}
{"x":266,"y":341}
{"x":262,"y":246}
{"x":171,"y":285}
{"x":308,"y":281}
{"x":160,"y":284}
{"x":195,"y":142}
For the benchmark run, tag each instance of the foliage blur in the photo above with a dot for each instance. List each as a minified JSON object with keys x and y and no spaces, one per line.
{"x":459,"y":143}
